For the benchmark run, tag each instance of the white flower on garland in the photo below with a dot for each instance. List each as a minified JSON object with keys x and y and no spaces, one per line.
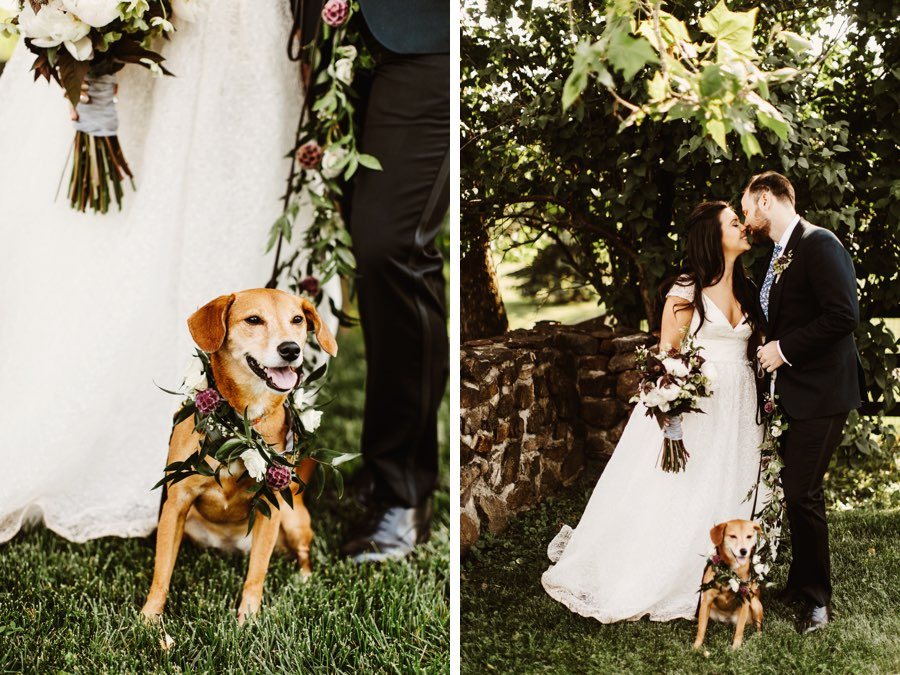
{"x":96,"y":13}
{"x":775,"y":431}
{"x":761,"y":569}
{"x":342,"y":71}
{"x":347,"y":52}
{"x":311,"y":419}
{"x":194,"y":377}
{"x":254,"y":463}
{"x":333,"y":161}
{"x":53,"y":26}
{"x":734,"y":585}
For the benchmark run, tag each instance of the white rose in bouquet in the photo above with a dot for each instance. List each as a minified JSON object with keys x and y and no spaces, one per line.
{"x":333,"y":161}
{"x":96,"y":13}
{"x":675,"y":367}
{"x":53,"y":26}
{"x":669,"y":392}
{"x":311,"y":419}
{"x":254,"y":463}
{"x":651,"y":398}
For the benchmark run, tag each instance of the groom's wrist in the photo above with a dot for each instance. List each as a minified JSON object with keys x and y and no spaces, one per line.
{"x":781,"y":353}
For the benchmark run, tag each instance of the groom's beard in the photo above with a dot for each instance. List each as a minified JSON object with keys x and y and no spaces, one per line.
{"x":759,"y":227}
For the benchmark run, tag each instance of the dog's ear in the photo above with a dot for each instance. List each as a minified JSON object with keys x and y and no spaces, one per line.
{"x":208,"y":324}
{"x":717,"y":534}
{"x":323,"y":334}
{"x":758,"y":528}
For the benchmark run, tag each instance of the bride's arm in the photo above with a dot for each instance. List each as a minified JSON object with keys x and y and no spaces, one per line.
{"x":676,"y":319}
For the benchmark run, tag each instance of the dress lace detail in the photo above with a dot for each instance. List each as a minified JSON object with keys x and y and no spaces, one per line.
{"x":608,"y":567}
{"x":682,"y":288}
{"x":556,"y":547}
{"x":93,"y":310}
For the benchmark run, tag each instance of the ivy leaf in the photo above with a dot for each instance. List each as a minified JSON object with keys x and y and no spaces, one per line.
{"x":629,"y":55}
{"x":734,"y":29}
{"x":369,"y":162}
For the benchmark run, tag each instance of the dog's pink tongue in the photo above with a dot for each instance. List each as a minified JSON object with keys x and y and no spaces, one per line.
{"x":284,"y":378}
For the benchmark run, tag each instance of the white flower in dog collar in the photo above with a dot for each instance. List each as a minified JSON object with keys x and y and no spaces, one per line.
{"x":734,"y":585}
{"x":311,"y":419}
{"x":254,"y":463}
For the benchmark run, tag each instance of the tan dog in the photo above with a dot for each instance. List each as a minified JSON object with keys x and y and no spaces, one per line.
{"x":255,"y":339}
{"x":735,"y":542}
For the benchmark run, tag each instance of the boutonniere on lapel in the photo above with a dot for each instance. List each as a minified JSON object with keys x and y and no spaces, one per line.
{"x":781,"y":264}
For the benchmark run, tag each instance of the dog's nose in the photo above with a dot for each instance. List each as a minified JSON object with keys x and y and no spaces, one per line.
{"x":289,"y":351}
{"x":743,"y":551}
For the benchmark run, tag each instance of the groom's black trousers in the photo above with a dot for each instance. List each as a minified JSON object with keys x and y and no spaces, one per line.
{"x":395,"y":217}
{"x":808,"y":447}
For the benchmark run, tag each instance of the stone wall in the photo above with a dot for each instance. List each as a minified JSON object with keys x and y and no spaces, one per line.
{"x":536,"y":407}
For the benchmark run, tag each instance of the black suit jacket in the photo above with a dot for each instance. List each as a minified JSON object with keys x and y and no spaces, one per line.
{"x":402,"y":26}
{"x":813,"y":311}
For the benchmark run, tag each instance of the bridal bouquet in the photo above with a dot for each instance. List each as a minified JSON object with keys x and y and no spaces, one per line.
{"x":239,"y":450}
{"x":81,"y":42}
{"x":673,"y":382}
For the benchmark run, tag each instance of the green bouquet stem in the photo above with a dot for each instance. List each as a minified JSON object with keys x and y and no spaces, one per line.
{"x":98,"y":171}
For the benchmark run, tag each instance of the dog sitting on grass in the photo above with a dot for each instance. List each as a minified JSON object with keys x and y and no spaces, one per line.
{"x":729,"y":592}
{"x":255,"y":340}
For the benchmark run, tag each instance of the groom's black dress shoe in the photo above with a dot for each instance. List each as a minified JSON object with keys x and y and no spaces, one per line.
{"x":392,"y":535}
{"x":814,"y":618}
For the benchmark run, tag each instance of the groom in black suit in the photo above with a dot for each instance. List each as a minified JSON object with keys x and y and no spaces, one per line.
{"x":395,"y":216}
{"x":810,"y":302}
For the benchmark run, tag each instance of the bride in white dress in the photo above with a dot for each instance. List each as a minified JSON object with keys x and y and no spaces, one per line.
{"x":642,"y":542}
{"x":93,"y":308}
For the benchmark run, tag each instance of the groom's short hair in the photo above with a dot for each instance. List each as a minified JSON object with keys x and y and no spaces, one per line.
{"x":774,"y":182}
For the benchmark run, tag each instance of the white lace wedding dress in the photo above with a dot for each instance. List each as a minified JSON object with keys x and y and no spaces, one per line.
{"x":642,"y":542}
{"x":93,"y":308}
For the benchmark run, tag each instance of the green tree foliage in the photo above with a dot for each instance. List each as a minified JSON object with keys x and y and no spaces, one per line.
{"x":613,"y":188}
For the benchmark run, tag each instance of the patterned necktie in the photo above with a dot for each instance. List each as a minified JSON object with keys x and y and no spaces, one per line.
{"x":769,"y":280}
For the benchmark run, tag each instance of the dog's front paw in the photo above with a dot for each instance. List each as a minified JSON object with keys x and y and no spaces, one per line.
{"x":697,"y":644}
{"x":249,"y":607}
{"x":151,"y":616}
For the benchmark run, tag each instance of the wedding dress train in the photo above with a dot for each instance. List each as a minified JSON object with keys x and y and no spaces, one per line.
{"x":642,"y":542}
{"x":93,"y":308}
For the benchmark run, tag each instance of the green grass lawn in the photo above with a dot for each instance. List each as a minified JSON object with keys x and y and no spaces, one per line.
{"x":509,"y":625}
{"x":74,"y":607}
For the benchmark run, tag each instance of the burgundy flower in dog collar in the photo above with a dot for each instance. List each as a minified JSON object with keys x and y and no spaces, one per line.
{"x":207,"y":401}
{"x":278,"y":477}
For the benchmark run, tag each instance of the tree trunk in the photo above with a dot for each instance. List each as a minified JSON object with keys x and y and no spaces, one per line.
{"x":482,"y":313}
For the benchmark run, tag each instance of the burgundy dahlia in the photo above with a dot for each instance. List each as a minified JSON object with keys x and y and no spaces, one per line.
{"x":335,"y":12}
{"x":278,"y":477}
{"x":716,"y":560}
{"x":207,"y":401}
{"x":310,"y":285}
{"x":309,"y":155}
{"x":744,"y":590}
{"x":769,"y":407}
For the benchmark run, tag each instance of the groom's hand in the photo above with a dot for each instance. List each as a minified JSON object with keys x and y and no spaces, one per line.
{"x":770,"y":357}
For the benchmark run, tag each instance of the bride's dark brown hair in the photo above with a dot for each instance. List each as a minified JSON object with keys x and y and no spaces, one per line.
{"x":705,"y":264}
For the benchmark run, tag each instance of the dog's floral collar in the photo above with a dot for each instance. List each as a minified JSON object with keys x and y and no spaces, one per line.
{"x":725,"y":577}
{"x":229,"y":436}
{"x":781,"y":263}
